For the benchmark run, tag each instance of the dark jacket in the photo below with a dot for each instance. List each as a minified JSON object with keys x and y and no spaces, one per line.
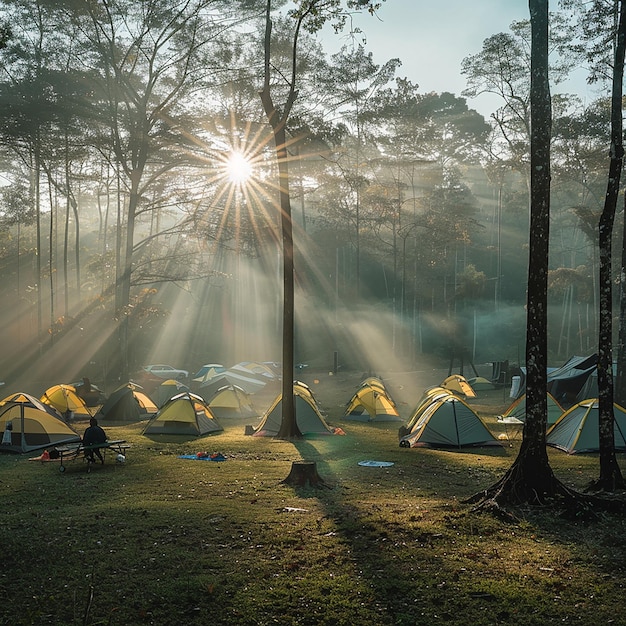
{"x":94,"y":434}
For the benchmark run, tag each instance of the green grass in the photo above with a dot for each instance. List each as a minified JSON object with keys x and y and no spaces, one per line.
{"x":161,"y":540}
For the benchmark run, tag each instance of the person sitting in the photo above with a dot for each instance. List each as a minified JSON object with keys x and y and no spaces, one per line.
{"x":94,"y":434}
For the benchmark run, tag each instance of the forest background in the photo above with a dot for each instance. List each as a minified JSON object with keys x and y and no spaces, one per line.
{"x":128,"y":236}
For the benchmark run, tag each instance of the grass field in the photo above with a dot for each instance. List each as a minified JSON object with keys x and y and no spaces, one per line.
{"x":163,"y":540}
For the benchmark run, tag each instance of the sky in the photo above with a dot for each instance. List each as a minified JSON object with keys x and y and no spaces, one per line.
{"x":432,"y":37}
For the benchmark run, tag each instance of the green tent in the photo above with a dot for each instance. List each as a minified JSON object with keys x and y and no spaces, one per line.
{"x":308,"y":415}
{"x":448,"y":422}
{"x":127,"y":403}
{"x":576,"y":431}
{"x":430,"y":395}
{"x":232,"y":401}
{"x":184,"y":414}
{"x":518,"y":409}
{"x":480,"y":383}
{"x":168,"y":389}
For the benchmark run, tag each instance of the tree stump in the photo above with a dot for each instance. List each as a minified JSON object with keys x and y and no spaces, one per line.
{"x":304,"y":474}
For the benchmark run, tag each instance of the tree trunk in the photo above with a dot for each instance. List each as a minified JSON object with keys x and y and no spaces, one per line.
{"x":610,"y":474}
{"x":289,"y":426}
{"x":530,"y":479}
{"x":304,"y":474}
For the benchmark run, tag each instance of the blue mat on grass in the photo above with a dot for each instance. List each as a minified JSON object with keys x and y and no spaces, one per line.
{"x":203,"y":457}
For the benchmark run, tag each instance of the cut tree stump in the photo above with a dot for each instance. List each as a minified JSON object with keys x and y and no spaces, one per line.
{"x":304,"y":474}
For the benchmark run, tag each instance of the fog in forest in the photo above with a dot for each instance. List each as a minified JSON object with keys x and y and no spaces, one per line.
{"x":138,"y":234}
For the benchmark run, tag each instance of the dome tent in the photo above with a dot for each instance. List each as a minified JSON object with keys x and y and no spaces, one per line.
{"x":65,"y":400}
{"x":232,"y":401}
{"x":184,"y":414}
{"x":430,"y":395}
{"x":448,"y":422}
{"x":127,"y":403}
{"x":371,"y":402}
{"x":458,"y":384}
{"x":308,"y":415}
{"x":34,"y":425}
{"x":518,"y":409}
{"x":576,"y":431}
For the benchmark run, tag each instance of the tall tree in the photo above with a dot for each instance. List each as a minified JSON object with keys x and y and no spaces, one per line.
{"x":610,"y":473}
{"x":149,"y":58}
{"x":530,"y":479}
{"x":355,"y":80}
{"x":309,"y":15}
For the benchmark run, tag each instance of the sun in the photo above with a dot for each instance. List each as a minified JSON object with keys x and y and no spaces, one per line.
{"x":238,"y":168}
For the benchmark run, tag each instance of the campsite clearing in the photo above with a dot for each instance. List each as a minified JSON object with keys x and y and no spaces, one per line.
{"x":162,"y":540}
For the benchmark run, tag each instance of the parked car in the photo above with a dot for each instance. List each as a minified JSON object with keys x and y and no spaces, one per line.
{"x":166,"y":372}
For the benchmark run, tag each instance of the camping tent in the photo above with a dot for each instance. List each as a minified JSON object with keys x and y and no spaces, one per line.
{"x":430,"y":395}
{"x":168,"y":389}
{"x":34,"y":424}
{"x":147,"y":407}
{"x":184,"y":414}
{"x":308,"y":415}
{"x":565,"y":382}
{"x":208,"y":371}
{"x":248,"y":382}
{"x":459,"y":385}
{"x":448,"y":423}
{"x":232,"y":401}
{"x":252,"y":368}
{"x":590,"y":387}
{"x":88,"y":392}
{"x":65,"y":399}
{"x":576,"y":430}
{"x":127,"y":403}
{"x":517,"y":409}
{"x":371,"y":402}
{"x":480,"y":383}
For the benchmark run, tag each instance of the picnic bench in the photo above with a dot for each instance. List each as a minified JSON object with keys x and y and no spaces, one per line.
{"x":72,"y":451}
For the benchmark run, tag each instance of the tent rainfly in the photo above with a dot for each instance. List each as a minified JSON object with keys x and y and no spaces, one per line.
{"x":168,"y":389}
{"x":480,"y":383}
{"x":517,"y":409}
{"x":184,"y":414}
{"x":127,"y":403}
{"x":448,"y":422}
{"x":308,"y":416}
{"x":430,"y":395}
{"x":232,"y":401}
{"x":252,"y":368}
{"x":458,"y":384}
{"x":65,"y":400}
{"x":576,"y":431}
{"x":371,"y":402}
{"x":565,"y":382}
{"x":208,"y":371}
{"x":33,"y":425}
{"x":247,"y":381}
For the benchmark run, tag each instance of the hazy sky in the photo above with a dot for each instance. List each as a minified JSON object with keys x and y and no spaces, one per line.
{"x":432,"y":37}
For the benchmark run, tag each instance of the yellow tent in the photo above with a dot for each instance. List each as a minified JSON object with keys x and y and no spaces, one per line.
{"x":184,"y":414}
{"x":65,"y":399}
{"x":33,"y":424}
{"x":232,"y":401}
{"x":371,"y":402}
{"x":308,"y":415}
{"x":459,"y":385}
